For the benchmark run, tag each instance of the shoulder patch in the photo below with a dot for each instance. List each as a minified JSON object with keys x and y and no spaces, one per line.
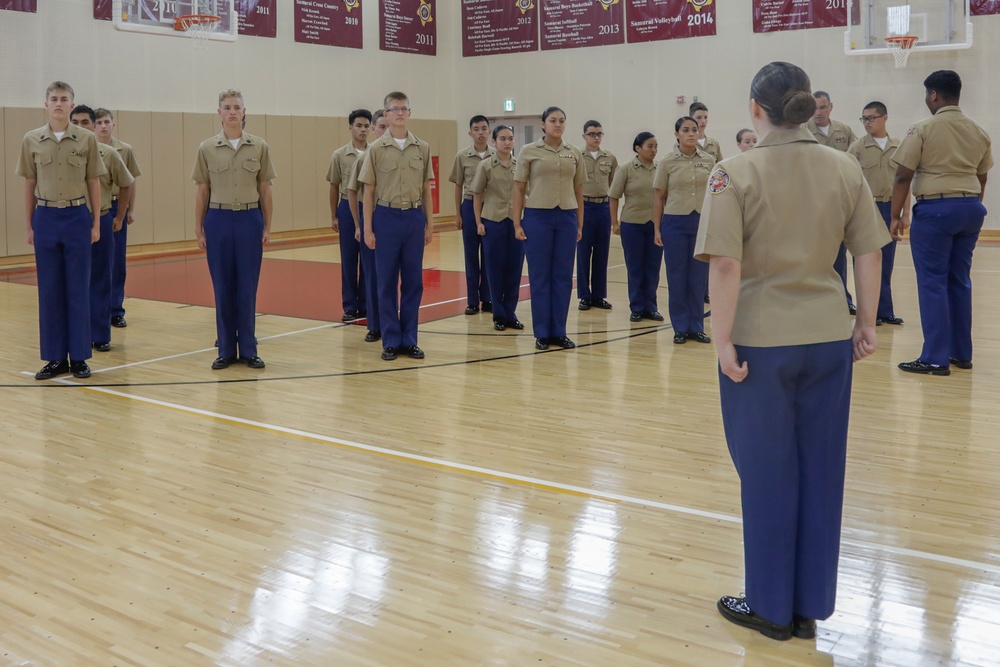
{"x":718,"y":182}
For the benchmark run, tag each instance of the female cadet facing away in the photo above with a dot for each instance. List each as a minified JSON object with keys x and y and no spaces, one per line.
{"x":548,"y":188}
{"x":634,"y":182}
{"x":679,"y":189}
{"x":492,"y":186}
{"x":785,"y":346}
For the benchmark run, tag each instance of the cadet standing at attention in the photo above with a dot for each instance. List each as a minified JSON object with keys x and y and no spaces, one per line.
{"x":947,"y":157}
{"x":746,"y":139}
{"x":593,"y":247}
{"x":463,"y":170}
{"x":707,"y":144}
{"x":232,"y":220}
{"x":61,"y":166}
{"x":874,"y":152}
{"x":397,"y":218}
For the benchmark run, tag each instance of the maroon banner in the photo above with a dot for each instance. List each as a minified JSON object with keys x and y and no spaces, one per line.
{"x":258,"y":18}
{"x":984,"y":7}
{"x":408,"y":26}
{"x":569,"y":24}
{"x":776,"y":15}
{"x":329,"y":22}
{"x":498,"y":26}
{"x":19,"y":5}
{"x":653,"y":20}
{"x":102,"y":10}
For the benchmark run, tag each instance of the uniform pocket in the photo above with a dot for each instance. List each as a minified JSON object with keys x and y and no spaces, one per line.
{"x":75,"y":160}
{"x":218,"y":168}
{"x":417,"y":163}
{"x":43,"y":160}
{"x":251,"y":166}
{"x":386,"y":167}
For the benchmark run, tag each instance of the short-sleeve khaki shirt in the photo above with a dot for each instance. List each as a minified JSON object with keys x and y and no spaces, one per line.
{"x":875,"y":164}
{"x":463,"y":170}
{"x":128,"y":157}
{"x":495,"y":182}
{"x":634,"y":182}
{"x":353,"y":183}
{"x":341,"y":163}
{"x":60,"y":168}
{"x":782,"y":210}
{"x":947,"y":151}
{"x":600,"y":172}
{"x":117,"y":176}
{"x":841,"y":135}
{"x":711,"y":147}
{"x":684,"y":179}
{"x":398,"y":175}
{"x":551,"y":174}
{"x":233,"y":176}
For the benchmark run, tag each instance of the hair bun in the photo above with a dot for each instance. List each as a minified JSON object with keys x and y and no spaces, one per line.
{"x":798,"y":106}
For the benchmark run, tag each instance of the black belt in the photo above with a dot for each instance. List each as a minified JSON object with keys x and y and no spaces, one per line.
{"x":61,"y":203}
{"x":949,"y":195}
{"x":883,"y":200}
{"x":402,"y":205}
{"x":596,"y":200}
{"x":235,"y":207}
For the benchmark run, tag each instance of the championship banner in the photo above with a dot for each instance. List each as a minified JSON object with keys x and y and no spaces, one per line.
{"x":409,"y":26}
{"x":570,"y":24}
{"x":102,"y":10}
{"x":777,"y":15}
{"x":653,"y":20}
{"x":258,"y":18}
{"x":19,"y":5}
{"x":329,"y":23}
{"x":984,"y":7}
{"x":499,"y":26}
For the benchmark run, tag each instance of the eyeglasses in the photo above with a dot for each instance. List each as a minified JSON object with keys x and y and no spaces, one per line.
{"x":871,"y":119}
{"x":594,"y":135}
{"x":398,"y":110}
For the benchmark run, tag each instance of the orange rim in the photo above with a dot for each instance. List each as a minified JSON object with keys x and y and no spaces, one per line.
{"x":904,"y":41}
{"x":187,"y":20}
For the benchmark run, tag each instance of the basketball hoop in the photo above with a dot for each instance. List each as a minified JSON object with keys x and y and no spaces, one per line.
{"x":199,"y":26}
{"x":900,"y":46}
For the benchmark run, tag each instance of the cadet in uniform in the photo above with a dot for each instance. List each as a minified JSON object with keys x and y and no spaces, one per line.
{"x":492,"y":187}
{"x":679,"y":189}
{"x":874,"y":152}
{"x":746,"y":139}
{"x":634,"y":182}
{"x":707,"y":144}
{"x":463,"y":170}
{"x":352,"y":277}
{"x":117,"y":177}
{"x":593,"y":247}
{"x":61,"y":167}
{"x":947,"y":158}
{"x":548,"y":190}
{"x":104,"y":128}
{"x":232,"y":217}
{"x":397,"y":219}
{"x":785,"y":347}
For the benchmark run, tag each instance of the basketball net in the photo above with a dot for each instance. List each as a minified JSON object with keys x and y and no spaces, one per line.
{"x":199,"y":27}
{"x":900,"y":46}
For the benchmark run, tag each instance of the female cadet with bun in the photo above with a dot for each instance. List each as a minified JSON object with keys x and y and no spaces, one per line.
{"x":679,"y":189}
{"x":634,"y":182}
{"x":548,"y":189}
{"x":491,"y":187}
{"x":785,"y":346}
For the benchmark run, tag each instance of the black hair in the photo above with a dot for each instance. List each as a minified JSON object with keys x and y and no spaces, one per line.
{"x":83,"y":108}
{"x":822,"y":93}
{"x":591,"y":123}
{"x":359,"y":113}
{"x":680,"y":122}
{"x":877,"y":106}
{"x":944,"y":82}
{"x":478,"y":118}
{"x":696,"y":106}
{"x":783,"y":91}
{"x":739,"y":135}
{"x":496,"y":130}
{"x":640,"y":139}
{"x":551,"y":110}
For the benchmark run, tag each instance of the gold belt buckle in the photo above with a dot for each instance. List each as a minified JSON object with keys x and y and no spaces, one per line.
{"x":405,"y":206}
{"x":237,"y":207}
{"x":62,"y":203}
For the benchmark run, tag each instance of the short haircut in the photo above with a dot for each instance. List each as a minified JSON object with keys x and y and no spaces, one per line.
{"x":83,"y":108}
{"x":641,"y":139}
{"x":232,"y":92}
{"x":591,"y":123}
{"x":498,"y":128}
{"x":944,"y":82}
{"x":551,"y":110}
{"x":101,"y":112}
{"x":822,"y":93}
{"x":696,"y":106}
{"x":59,"y":85}
{"x":478,"y":118}
{"x":739,"y":135}
{"x":397,"y":96}
{"x":359,"y":113}
{"x":878,"y":107}
{"x":378,"y":114}
{"x":680,"y":122}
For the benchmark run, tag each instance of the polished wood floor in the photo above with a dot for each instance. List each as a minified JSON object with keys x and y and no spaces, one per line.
{"x":487,"y":506}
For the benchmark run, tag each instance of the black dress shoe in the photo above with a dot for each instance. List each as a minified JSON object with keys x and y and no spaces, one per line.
{"x":79,"y":369}
{"x":102,"y":347}
{"x":803,"y":628}
{"x":852,"y":309}
{"x":472,"y":310}
{"x":414,"y":352}
{"x":541,"y":344}
{"x":736,"y":610}
{"x":584,"y":304}
{"x":499,"y":326}
{"x":216,"y":344}
{"x":918,"y":366}
{"x":699,"y":337}
{"x":372,"y":336}
{"x":223,"y":362}
{"x":892,"y":320}
{"x":52,"y":369}
{"x":680,"y":338}
{"x":487,"y":307}
{"x":515,"y":324}
{"x":389,"y":354}
{"x":964,"y":364}
{"x":602,"y":304}
{"x":653,"y":315}
{"x":879,"y":322}
{"x":253,"y":362}
{"x":563,"y":342}
{"x":635,"y":316}
{"x":351,"y":315}
{"x":118,"y":322}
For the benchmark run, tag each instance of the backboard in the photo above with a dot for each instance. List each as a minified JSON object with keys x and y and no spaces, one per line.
{"x":157,"y":16}
{"x":939,"y":25}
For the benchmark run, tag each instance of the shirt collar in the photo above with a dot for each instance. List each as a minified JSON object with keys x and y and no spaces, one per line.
{"x":541,"y":144}
{"x":388,"y":140}
{"x":222,"y":140}
{"x":71,"y":132}
{"x":950,"y":107}
{"x":782,"y":136}
{"x":639,"y":165}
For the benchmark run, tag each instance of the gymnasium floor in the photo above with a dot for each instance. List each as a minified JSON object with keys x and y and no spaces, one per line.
{"x":490,"y":505}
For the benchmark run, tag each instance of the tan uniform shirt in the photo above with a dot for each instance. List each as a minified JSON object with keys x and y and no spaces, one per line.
{"x":783,"y":209}
{"x":946,"y":151}
{"x":551,"y":174}
{"x":711,"y":147}
{"x":495,"y":182}
{"x":60,"y":168}
{"x":398,"y":175}
{"x":233,"y":175}
{"x":875,"y":164}
{"x":117,"y":176}
{"x":463,"y":170}
{"x":684,"y":179}
{"x":353,"y":183}
{"x":600,"y":171}
{"x":634,"y":181}
{"x":128,"y":157}
{"x":841,"y":135}
{"x":341,"y":163}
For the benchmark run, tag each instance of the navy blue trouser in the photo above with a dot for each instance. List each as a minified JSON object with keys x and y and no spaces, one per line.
{"x":477,"y":282}
{"x":687,"y":277}
{"x":550,"y":249}
{"x":942,"y":238}
{"x":118,"y":269}
{"x":840,"y":266}
{"x":642,"y":264}
{"x":371,"y":279}
{"x":399,"y":256}
{"x":352,"y":277}
{"x":592,"y":252}
{"x":786,"y":426}
{"x":62,"y":262}
{"x":234,"y":241}
{"x":885,"y":309}
{"x":504,"y":260}
{"x":102,"y":257}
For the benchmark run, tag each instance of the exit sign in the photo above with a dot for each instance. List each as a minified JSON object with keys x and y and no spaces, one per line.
{"x":508,"y":106}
